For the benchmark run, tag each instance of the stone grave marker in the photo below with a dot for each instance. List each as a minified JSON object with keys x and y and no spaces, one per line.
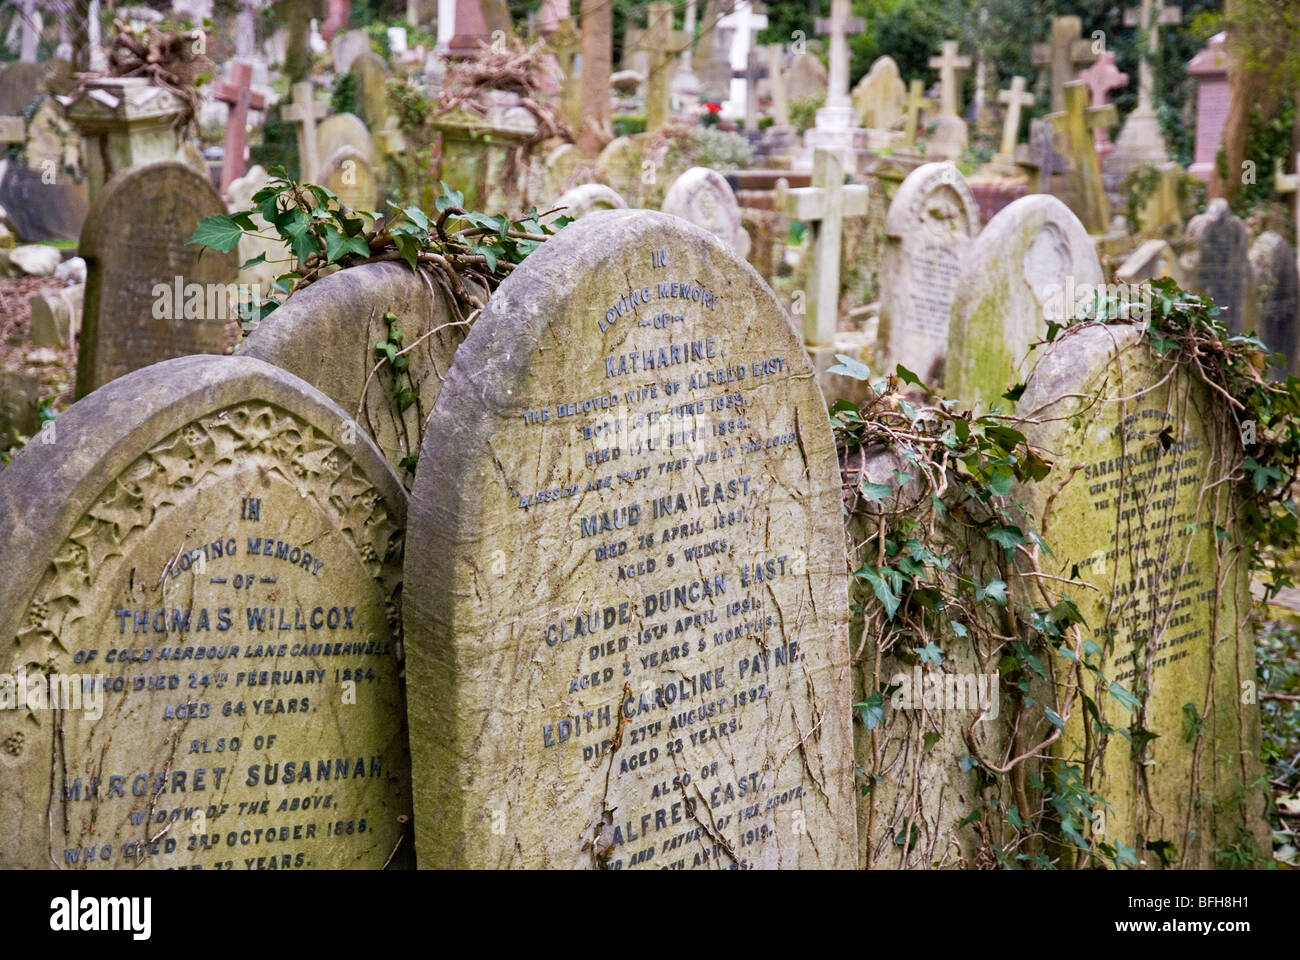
{"x":1084,"y":188}
{"x":150,"y":295}
{"x":238,"y":93}
{"x":1140,"y":140}
{"x":347,"y":47}
{"x":351,"y":176}
{"x":671,"y":619}
{"x":1101,"y":78}
{"x":1033,"y":262}
{"x":620,"y":161}
{"x":587,"y":198}
{"x":1277,"y":299}
{"x":949,"y":137}
{"x":344,"y":129}
{"x":1210,"y":68}
{"x":1127,"y":507}
{"x":215,"y":588}
{"x":303,"y":114}
{"x":343,"y":316}
{"x":1063,"y":55}
{"x":20,"y":84}
{"x":561,"y":165}
{"x":703,"y":196}
{"x":20,"y":410}
{"x":879,"y":98}
{"x":1216,"y":262}
{"x":931,"y":224}
{"x":372,"y":76}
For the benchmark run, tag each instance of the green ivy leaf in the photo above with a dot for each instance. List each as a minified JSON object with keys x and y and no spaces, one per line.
{"x":1124,"y":697}
{"x":1008,"y":538}
{"x":929,"y":654}
{"x":876,"y":492}
{"x":872,"y":710}
{"x":995,"y":590}
{"x":221,"y":233}
{"x":848,"y":367}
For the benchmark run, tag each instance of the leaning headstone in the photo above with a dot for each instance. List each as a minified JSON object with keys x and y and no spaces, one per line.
{"x":1033,"y":262}
{"x":1216,"y":261}
{"x":150,"y":295}
{"x":932,"y":221}
{"x":703,"y":196}
{"x":880,"y":96}
{"x":1142,"y":540}
{"x":347,"y":47}
{"x":206,"y":619}
{"x":344,"y":130}
{"x":635,"y":406}
{"x":343,"y":317}
{"x":1277,"y":299}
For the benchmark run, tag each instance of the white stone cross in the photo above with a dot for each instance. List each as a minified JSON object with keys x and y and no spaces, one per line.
{"x":824,"y":206}
{"x":838,"y":28}
{"x":1015,"y":98}
{"x":303,"y":112}
{"x":949,"y":64}
{"x":744,"y":23}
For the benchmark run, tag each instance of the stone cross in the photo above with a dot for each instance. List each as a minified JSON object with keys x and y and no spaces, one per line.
{"x":1015,"y":98}
{"x":1150,"y":17}
{"x":688,"y":28}
{"x":663,"y":43}
{"x":1102,"y":77}
{"x":29,"y":15}
{"x":1077,"y":121}
{"x":756,"y":71}
{"x":303,"y":112}
{"x":838,"y":28}
{"x":916,"y":102}
{"x":564,"y":44}
{"x":238,"y":92}
{"x":1064,"y":54}
{"x":949,"y":64}
{"x":776,"y":78}
{"x":744,"y":23}
{"x":824,"y":206}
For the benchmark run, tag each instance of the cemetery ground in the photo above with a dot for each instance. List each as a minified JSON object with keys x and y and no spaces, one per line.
{"x":579,"y":437}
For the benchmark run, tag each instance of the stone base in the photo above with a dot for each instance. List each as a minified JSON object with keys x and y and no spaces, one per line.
{"x":845,"y":142}
{"x":1139,"y":142}
{"x":993,"y":192}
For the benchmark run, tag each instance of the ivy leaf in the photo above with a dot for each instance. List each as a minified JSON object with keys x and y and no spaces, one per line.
{"x":409,"y":248}
{"x":417,"y":217}
{"x":449,"y":198}
{"x":872,"y":710}
{"x":930,"y":739}
{"x":930,"y":654}
{"x":1014,"y":393}
{"x":970,"y":818}
{"x":408,"y":463}
{"x":221,"y":233}
{"x":405,"y":398}
{"x":907,"y":376}
{"x":1001,"y":481}
{"x":1008,"y":538}
{"x":995,"y":590}
{"x":875,"y":492}
{"x":1124,"y":697}
{"x":881,"y":589}
{"x":260,"y":258}
{"x":959,"y":628}
{"x":336,"y":244}
{"x":1013,"y":818}
{"x":848,"y":367}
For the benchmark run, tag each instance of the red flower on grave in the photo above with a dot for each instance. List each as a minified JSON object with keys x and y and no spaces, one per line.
{"x":713,"y":107}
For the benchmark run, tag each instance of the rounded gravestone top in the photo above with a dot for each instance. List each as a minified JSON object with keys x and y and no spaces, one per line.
{"x":703,"y":196}
{"x":207,"y":553}
{"x":1031,"y":264}
{"x":629,"y":597}
{"x":936,"y":199}
{"x":344,"y":129}
{"x":326,"y":334}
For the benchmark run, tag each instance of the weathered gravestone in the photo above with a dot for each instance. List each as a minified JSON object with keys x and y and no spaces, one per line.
{"x":931,"y":223}
{"x":586,"y":198}
{"x":1132,"y":505}
{"x":620,"y":162}
{"x":1034,"y":261}
{"x":703,"y":196}
{"x":1217,"y":263}
{"x":1277,"y":299}
{"x":343,"y":317}
{"x":372,"y":76}
{"x":20,"y":84}
{"x":205,"y":620}
{"x":149,"y":295}
{"x":349,"y":173}
{"x":662,"y":679}
{"x":344,"y":130}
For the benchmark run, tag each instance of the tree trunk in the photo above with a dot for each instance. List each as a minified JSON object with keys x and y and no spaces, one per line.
{"x":1251,"y":85}
{"x":597,"y":53}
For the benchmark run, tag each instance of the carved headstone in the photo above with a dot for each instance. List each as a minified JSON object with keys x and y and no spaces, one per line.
{"x":150,"y":295}
{"x":704,"y":197}
{"x":1032,"y":263}
{"x":932,"y":221}
{"x":1216,"y":261}
{"x":635,"y":406}
{"x":215,"y":591}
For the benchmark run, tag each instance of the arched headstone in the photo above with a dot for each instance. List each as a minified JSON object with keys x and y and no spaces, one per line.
{"x":1034,"y":261}
{"x":626,"y":616}
{"x":206,"y":556}
{"x":703,"y":196}
{"x":150,"y":295}
{"x":931,"y":224}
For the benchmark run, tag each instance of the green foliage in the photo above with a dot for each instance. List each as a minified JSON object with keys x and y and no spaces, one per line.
{"x":628,"y":124}
{"x":1268,"y":142}
{"x":803,"y":111}
{"x":721,"y":149}
{"x":343,"y":98}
